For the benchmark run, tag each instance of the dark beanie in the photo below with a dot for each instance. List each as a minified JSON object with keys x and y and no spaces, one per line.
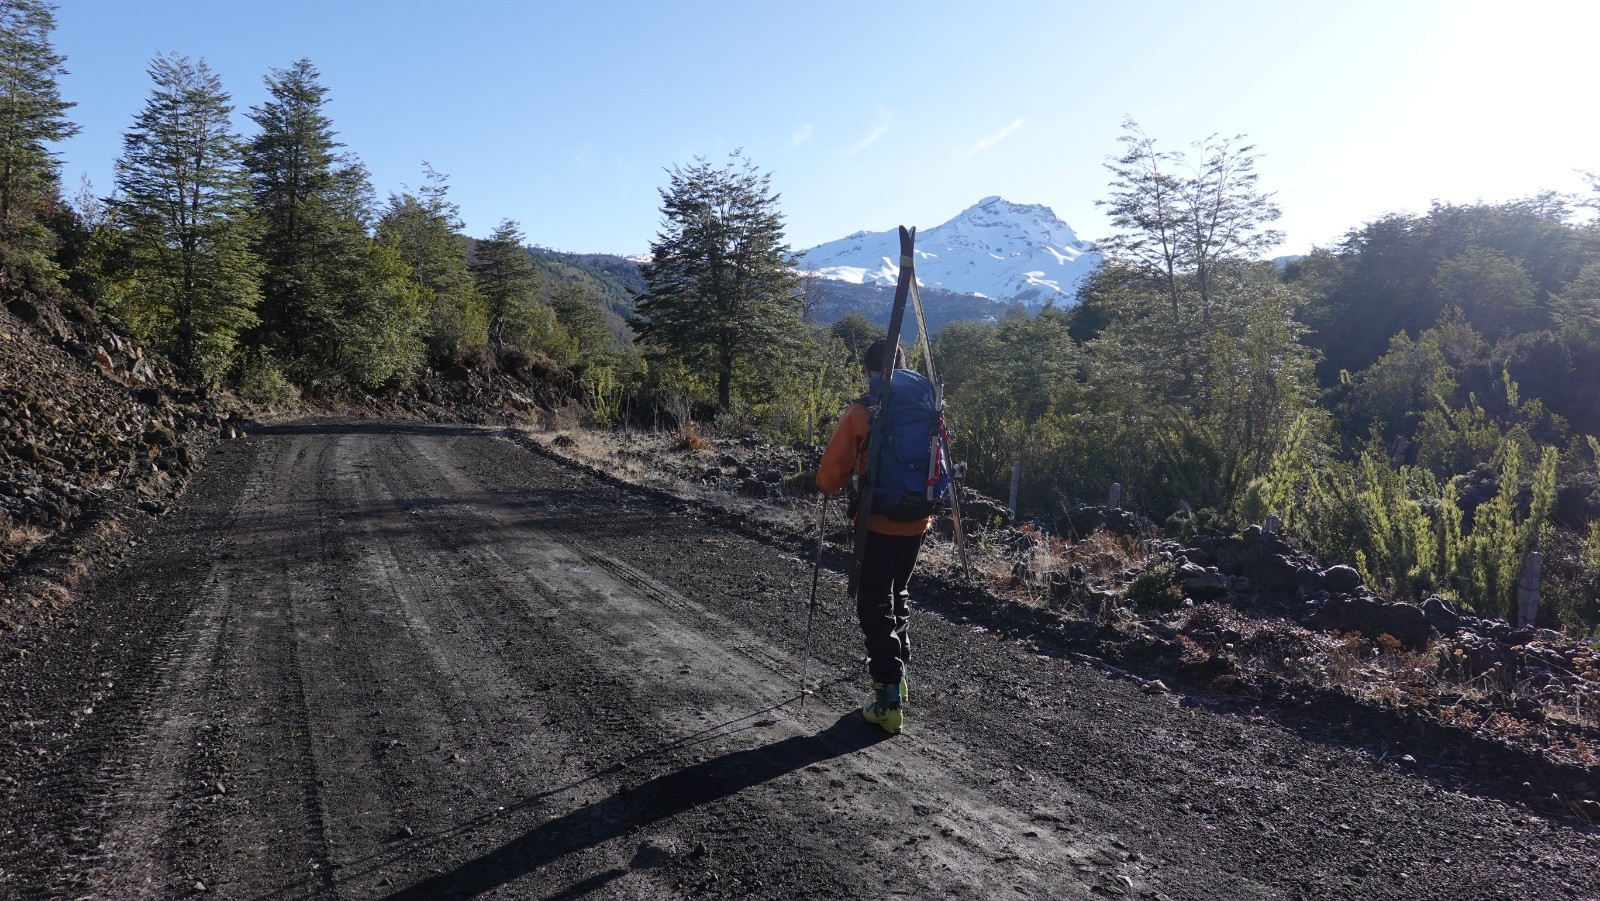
{"x":872,"y":359}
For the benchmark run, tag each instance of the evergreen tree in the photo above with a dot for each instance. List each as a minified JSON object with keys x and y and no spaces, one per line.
{"x":386,"y":318}
{"x":424,"y":228}
{"x":190,"y":280}
{"x":582,"y":317}
{"x":1193,"y":406}
{"x":1180,"y":218}
{"x":1493,"y":290}
{"x":857,"y":332}
{"x":311,"y":200}
{"x":721,"y":291}
{"x":1381,"y":278}
{"x":506,"y":278}
{"x":32,"y":115}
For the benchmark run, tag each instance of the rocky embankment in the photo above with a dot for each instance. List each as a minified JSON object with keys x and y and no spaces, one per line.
{"x":1250,"y":615}
{"x":94,"y":431}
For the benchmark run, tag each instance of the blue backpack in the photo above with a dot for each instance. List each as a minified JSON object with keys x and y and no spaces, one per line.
{"x":913,"y":460}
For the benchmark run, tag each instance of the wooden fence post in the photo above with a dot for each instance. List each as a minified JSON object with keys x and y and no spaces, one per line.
{"x":1528,"y":590}
{"x":1016,"y":482}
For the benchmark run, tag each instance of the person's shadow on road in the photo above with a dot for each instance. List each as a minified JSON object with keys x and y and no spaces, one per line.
{"x":662,"y":797}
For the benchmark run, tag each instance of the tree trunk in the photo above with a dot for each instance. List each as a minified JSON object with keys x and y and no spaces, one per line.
{"x":725,"y":377}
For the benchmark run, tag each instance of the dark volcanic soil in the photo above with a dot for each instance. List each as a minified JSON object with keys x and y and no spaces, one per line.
{"x":401,"y":661}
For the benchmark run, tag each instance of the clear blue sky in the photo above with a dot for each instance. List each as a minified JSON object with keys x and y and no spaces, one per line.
{"x":563,"y":115}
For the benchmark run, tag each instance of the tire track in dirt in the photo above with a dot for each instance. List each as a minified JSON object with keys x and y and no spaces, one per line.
{"x":250,"y":695}
{"x":672,"y":638}
{"x":146,"y":789}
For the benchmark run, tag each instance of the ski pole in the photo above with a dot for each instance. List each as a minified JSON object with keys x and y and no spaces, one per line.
{"x":955,"y":523}
{"x":811,"y":614}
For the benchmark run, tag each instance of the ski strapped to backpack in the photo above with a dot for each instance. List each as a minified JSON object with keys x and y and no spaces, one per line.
{"x":909,"y":472}
{"x":897,"y":313}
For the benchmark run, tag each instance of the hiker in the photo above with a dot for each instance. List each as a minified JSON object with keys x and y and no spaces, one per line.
{"x":893,"y":538}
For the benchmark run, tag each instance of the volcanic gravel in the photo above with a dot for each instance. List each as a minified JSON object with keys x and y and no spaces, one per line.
{"x":377,"y":660}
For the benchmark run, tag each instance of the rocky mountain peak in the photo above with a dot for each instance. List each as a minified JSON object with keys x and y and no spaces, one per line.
{"x":995,"y":248}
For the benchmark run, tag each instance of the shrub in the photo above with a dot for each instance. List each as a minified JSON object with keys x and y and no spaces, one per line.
{"x":261,"y":381}
{"x":691,"y":438}
{"x":1157,"y":587}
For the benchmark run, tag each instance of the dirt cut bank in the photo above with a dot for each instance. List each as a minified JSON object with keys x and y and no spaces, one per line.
{"x":399,"y":661}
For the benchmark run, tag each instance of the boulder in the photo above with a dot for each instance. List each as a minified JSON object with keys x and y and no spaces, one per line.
{"x":1230,"y":554}
{"x":981,"y":512}
{"x":1309,"y":580}
{"x":1342,"y":579}
{"x":1202,"y":583}
{"x":40,"y":314}
{"x":1084,"y":521}
{"x":1274,"y":572}
{"x":1372,"y":616}
{"x":1441,"y":615}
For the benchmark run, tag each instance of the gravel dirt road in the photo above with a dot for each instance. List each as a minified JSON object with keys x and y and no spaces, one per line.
{"x":366,"y":660}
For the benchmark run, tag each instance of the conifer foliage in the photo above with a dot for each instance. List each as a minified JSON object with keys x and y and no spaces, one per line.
{"x":722,"y":290}
{"x":311,"y":202}
{"x":507,"y":280}
{"x":32,"y":115}
{"x":190,"y":281}
{"x":424,"y":228}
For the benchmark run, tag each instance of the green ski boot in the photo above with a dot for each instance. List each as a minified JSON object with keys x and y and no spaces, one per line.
{"x":883,"y":708}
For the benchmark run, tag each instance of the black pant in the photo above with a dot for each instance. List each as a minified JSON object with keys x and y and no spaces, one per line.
{"x":884,"y":605}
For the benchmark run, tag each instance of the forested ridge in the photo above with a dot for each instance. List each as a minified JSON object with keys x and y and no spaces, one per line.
{"x":1419,"y":400}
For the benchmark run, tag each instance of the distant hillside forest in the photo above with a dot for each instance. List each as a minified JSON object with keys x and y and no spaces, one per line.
{"x":1419,"y":400}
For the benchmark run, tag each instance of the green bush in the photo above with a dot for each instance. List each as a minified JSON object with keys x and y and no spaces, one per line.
{"x":1156,"y":586}
{"x":261,"y":381}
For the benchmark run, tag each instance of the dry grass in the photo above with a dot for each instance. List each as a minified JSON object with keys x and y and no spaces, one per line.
{"x":691,"y":438}
{"x":1102,"y":554}
{"x":20,"y":538}
{"x":1580,"y":708}
{"x":1505,"y":725}
{"x":1382,"y":671}
{"x":1031,"y":567}
{"x":17,"y":540}
{"x":1585,"y":753}
{"x":1190,"y":653}
{"x":626,"y":455}
{"x":1464,"y":717}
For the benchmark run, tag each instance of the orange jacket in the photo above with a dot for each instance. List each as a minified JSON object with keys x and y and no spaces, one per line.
{"x":847,"y":453}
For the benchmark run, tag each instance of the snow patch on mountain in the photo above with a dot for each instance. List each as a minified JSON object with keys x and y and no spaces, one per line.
{"x":995,"y":248}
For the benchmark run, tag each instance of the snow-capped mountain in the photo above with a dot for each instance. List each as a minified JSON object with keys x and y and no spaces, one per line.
{"x":995,"y":248}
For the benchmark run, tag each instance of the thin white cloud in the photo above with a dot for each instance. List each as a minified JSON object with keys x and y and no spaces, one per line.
{"x":802,"y":135}
{"x":994,"y":139}
{"x":882,"y":128}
